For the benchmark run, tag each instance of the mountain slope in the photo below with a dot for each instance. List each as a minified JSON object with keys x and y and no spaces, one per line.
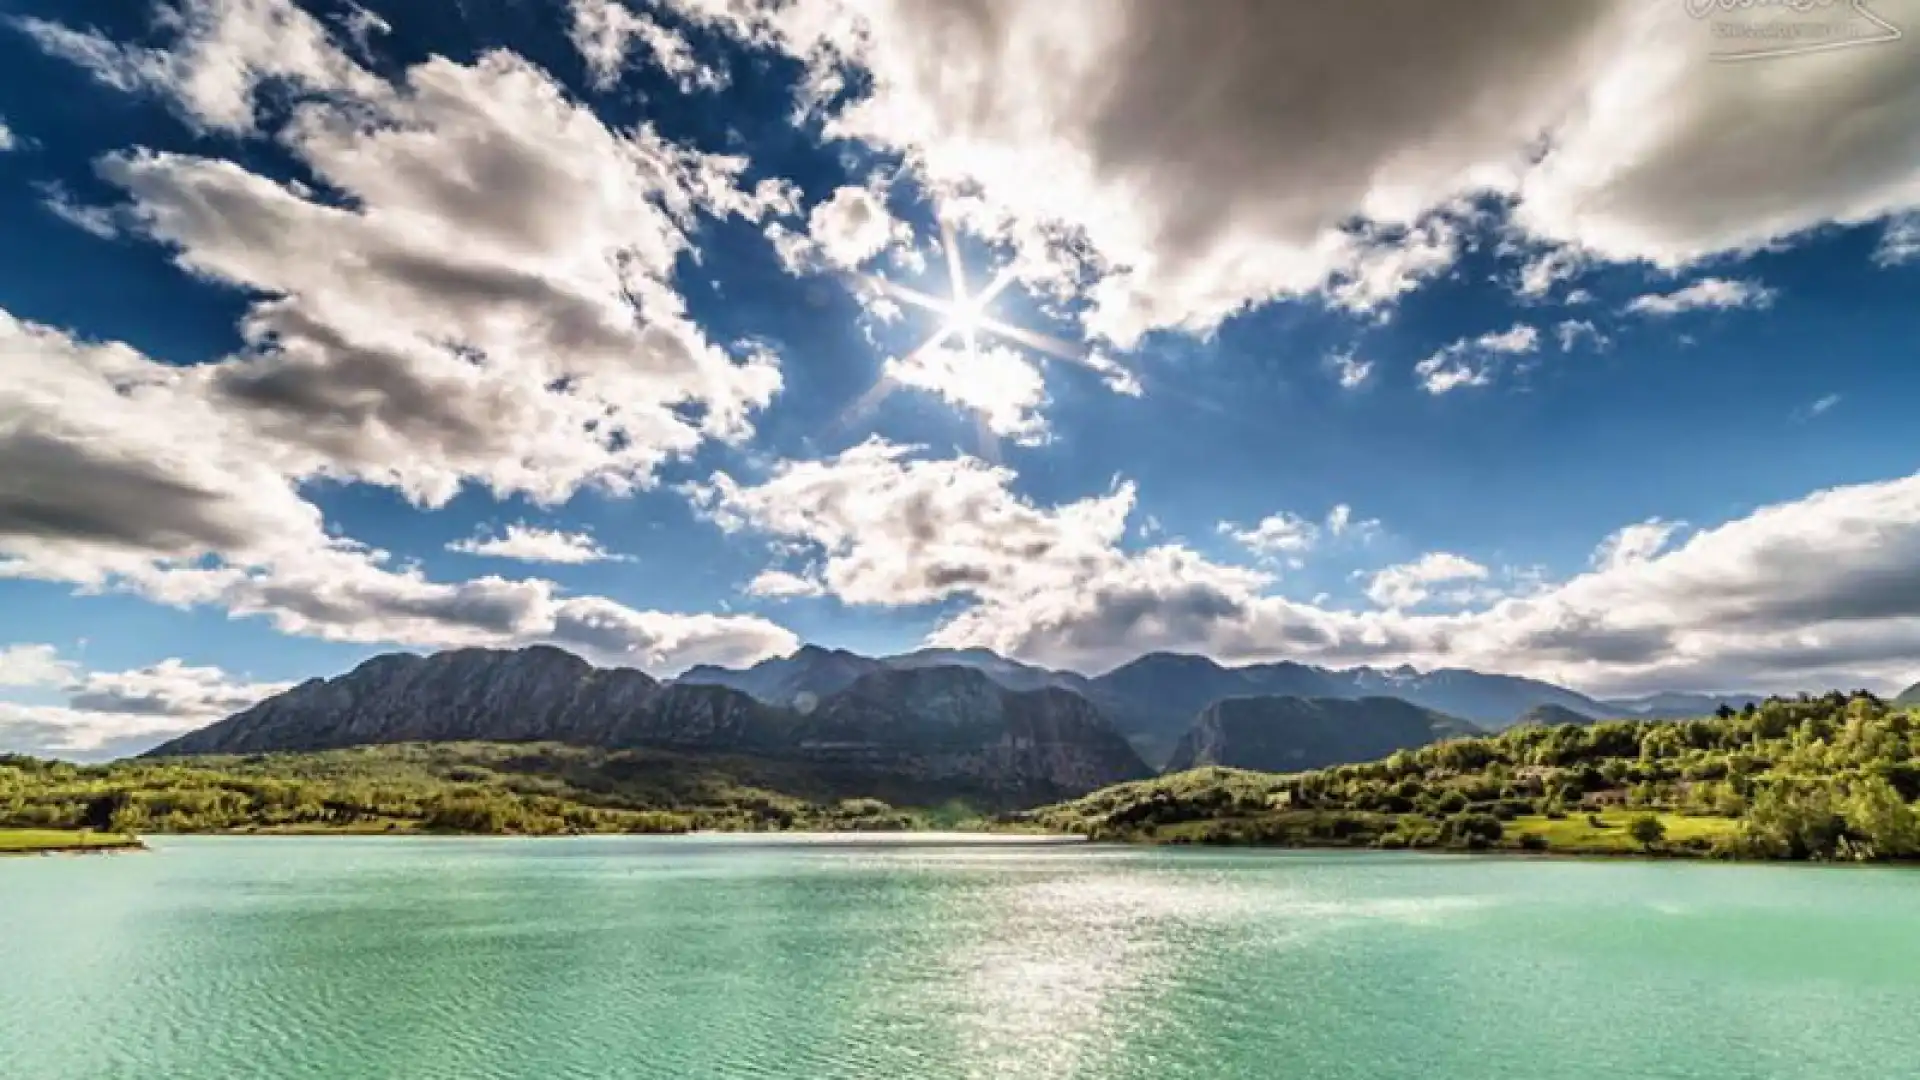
{"x":782,"y":680}
{"x":952,"y":729}
{"x":1679,"y":706}
{"x":947,"y":723}
{"x":1909,"y":696}
{"x":1551,"y":716}
{"x":1289,"y":734}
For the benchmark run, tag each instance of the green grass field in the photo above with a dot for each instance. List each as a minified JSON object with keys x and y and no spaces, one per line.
{"x":32,"y":841}
{"x":1576,"y":835}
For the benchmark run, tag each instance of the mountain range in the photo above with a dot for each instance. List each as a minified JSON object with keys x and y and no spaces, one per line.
{"x":937,"y":724}
{"x":950,"y":730}
{"x":1154,"y":698}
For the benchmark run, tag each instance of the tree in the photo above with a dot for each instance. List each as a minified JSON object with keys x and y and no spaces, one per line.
{"x":1647,"y":831}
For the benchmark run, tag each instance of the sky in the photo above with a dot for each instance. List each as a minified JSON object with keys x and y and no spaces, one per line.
{"x":1572,"y":341}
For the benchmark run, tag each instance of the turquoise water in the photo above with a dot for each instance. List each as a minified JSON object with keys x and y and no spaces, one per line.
{"x":210,"y":959}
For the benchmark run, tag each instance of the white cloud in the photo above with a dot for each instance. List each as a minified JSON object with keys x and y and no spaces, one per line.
{"x":782,"y":585}
{"x":1545,"y":269}
{"x":222,"y":51}
{"x":1275,"y":535}
{"x":1900,"y":243}
{"x":605,"y":32}
{"x":1814,"y":592}
{"x":1349,"y":370}
{"x":486,"y":297}
{"x":1571,"y":331}
{"x":998,"y":384}
{"x":1198,"y":162}
{"x":529,"y":543}
{"x":1635,"y":543}
{"x":848,"y":228}
{"x":113,"y":712}
{"x":94,"y":220}
{"x":1706,"y":294}
{"x":33,"y":665}
{"x":8,"y":141}
{"x":1410,"y":584}
{"x":1818,"y":407}
{"x":1474,"y":361}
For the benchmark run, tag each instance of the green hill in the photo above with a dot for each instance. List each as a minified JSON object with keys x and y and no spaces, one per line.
{"x":1831,"y":778}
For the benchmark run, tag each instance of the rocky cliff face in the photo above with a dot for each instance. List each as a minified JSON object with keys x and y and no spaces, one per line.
{"x":1290,"y":734}
{"x":953,"y":723}
{"x":953,"y":728}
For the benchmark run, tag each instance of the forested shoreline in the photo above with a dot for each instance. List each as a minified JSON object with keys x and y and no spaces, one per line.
{"x":1829,"y":778}
{"x":1833,"y":778}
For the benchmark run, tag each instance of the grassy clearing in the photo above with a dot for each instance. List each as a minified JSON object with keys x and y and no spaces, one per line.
{"x":1576,"y":834}
{"x":40,"y":841}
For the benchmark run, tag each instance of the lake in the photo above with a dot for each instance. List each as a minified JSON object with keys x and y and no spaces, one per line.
{"x":693,"y":957}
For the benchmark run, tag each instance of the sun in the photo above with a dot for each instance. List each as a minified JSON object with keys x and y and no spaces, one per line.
{"x":969,"y":375}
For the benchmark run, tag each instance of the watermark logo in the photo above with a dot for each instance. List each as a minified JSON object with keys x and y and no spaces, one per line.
{"x":1766,"y":29}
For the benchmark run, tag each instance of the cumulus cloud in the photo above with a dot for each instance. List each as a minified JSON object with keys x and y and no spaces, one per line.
{"x":783,"y":585}
{"x":1706,"y":294}
{"x":529,"y":543}
{"x":845,"y":230}
{"x":1474,"y":361}
{"x":109,"y":713}
{"x":485,"y":297}
{"x":33,"y":665}
{"x":998,"y":384}
{"x":8,"y":141}
{"x":1275,"y":534}
{"x":1572,"y":331}
{"x":1202,"y":161}
{"x":1812,"y":592}
{"x":1635,"y":543}
{"x":1411,"y":584}
{"x":97,"y":221}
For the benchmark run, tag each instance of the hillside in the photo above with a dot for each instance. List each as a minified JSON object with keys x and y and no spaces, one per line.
{"x":950,"y":730}
{"x":1551,"y":716}
{"x":1290,"y":734}
{"x":455,"y":787}
{"x":1825,"y":778}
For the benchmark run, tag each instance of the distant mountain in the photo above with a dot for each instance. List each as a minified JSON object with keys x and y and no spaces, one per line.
{"x":1289,"y":734}
{"x":783,"y":680}
{"x":952,"y":729}
{"x":942,"y":723}
{"x":1677,"y":706}
{"x":1909,"y":696}
{"x":1152,"y":699}
{"x":1011,"y":674}
{"x":1551,"y":716}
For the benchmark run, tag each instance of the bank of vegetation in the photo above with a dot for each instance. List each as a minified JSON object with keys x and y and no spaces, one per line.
{"x":532,"y":789}
{"x":1828,"y":778}
{"x":63,"y":841}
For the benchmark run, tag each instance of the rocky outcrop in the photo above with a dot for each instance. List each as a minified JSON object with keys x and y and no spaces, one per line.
{"x":952,"y":728}
{"x":1291,"y":734}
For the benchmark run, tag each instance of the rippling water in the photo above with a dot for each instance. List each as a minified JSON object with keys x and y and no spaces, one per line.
{"x":742,"y":957}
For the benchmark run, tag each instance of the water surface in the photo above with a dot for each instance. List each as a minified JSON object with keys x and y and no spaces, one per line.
{"x":693,"y":957}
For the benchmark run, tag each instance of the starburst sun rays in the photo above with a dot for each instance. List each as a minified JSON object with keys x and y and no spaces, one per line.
{"x":982,"y":378}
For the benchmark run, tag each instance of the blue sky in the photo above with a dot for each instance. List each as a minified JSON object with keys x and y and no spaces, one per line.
{"x":1548,"y":344}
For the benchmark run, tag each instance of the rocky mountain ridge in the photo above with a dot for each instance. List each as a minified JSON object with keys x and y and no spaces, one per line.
{"x":950,"y":727}
{"x":1292,"y":734}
